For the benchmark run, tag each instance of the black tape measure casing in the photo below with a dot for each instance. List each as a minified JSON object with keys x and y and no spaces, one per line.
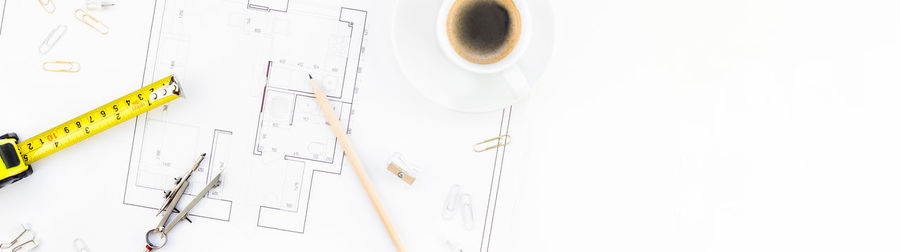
{"x":13,"y":166}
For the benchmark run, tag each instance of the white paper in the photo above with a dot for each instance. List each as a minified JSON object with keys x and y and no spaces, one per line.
{"x":297,"y":192}
{"x":244,"y":67}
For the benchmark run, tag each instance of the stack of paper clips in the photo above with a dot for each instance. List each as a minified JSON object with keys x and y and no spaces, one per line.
{"x":52,"y":38}
{"x":459,"y":203}
{"x":23,"y":242}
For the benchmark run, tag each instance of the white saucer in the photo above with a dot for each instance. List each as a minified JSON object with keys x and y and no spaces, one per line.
{"x":440,"y":80}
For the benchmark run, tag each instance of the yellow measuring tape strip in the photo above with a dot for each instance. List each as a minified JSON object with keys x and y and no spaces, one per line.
{"x":99,"y":119}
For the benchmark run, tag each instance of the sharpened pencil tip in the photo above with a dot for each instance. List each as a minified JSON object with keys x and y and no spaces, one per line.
{"x":310,"y":76}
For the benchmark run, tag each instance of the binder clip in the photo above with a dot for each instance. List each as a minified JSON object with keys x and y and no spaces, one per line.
{"x":402,"y":170}
{"x":91,"y":21}
{"x":80,"y":245}
{"x":62,"y":66}
{"x":52,"y":38}
{"x":489,"y":144}
{"x":48,"y":6}
{"x":458,"y":201}
{"x":24,"y":241}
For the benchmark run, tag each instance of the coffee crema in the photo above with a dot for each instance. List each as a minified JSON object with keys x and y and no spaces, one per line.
{"x":483,"y":31}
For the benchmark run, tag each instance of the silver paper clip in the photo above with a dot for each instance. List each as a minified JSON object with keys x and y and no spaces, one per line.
{"x":52,"y":38}
{"x":91,"y":21}
{"x":62,"y":66}
{"x":80,"y":245}
{"x":48,"y":5}
{"x":468,"y":217}
{"x":23,"y":242}
{"x":97,"y":4}
{"x":461,"y":201}
{"x":501,"y":140}
{"x":451,"y":202}
{"x":453,"y":246}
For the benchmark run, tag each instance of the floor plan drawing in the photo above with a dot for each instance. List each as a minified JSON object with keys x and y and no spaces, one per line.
{"x":244,"y":67}
{"x":291,"y":139}
{"x":292,"y":136}
{"x":162,"y":161}
{"x":293,"y":114}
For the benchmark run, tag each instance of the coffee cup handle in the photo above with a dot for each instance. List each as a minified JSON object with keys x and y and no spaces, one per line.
{"x":516,"y":81}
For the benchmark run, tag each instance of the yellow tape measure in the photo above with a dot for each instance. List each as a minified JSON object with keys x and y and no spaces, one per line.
{"x":18,"y":156}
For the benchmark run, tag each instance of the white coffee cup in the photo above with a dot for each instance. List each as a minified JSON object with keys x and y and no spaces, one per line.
{"x":516,"y":81}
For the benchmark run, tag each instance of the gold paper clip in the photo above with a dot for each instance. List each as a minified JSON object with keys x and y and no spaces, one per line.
{"x":48,"y":5}
{"x":91,"y":21}
{"x":62,"y":66}
{"x":502,"y":140}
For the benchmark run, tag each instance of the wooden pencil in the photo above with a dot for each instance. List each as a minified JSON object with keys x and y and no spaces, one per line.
{"x":361,"y":173}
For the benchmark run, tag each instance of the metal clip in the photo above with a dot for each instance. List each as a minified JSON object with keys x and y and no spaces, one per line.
{"x":453,"y":246}
{"x":91,"y":21}
{"x":52,"y":38}
{"x":502,"y":140}
{"x":80,"y":245}
{"x":62,"y":66}
{"x":462,"y":201}
{"x":468,"y":217}
{"x":48,"y":5}
{"x":451,"y":203}
{"x":97,"y":4}
{"x":23,"y":245}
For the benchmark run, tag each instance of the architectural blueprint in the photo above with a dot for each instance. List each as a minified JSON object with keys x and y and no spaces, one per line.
{"x":243,"y":67}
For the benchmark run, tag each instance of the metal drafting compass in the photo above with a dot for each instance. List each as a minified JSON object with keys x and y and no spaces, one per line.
{"x":157,"y":237}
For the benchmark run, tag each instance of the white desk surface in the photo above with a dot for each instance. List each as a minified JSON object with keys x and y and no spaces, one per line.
{"x":666,"y":126}
{"x":716,"y":126}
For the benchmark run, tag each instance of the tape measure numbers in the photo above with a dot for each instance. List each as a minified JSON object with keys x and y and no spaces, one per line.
{"x":17,"y":160}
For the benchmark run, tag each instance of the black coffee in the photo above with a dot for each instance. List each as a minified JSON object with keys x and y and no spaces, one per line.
{"x":484,"y":26}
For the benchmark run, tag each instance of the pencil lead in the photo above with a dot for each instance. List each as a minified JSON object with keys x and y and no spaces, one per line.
{"x":310,"y":76}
